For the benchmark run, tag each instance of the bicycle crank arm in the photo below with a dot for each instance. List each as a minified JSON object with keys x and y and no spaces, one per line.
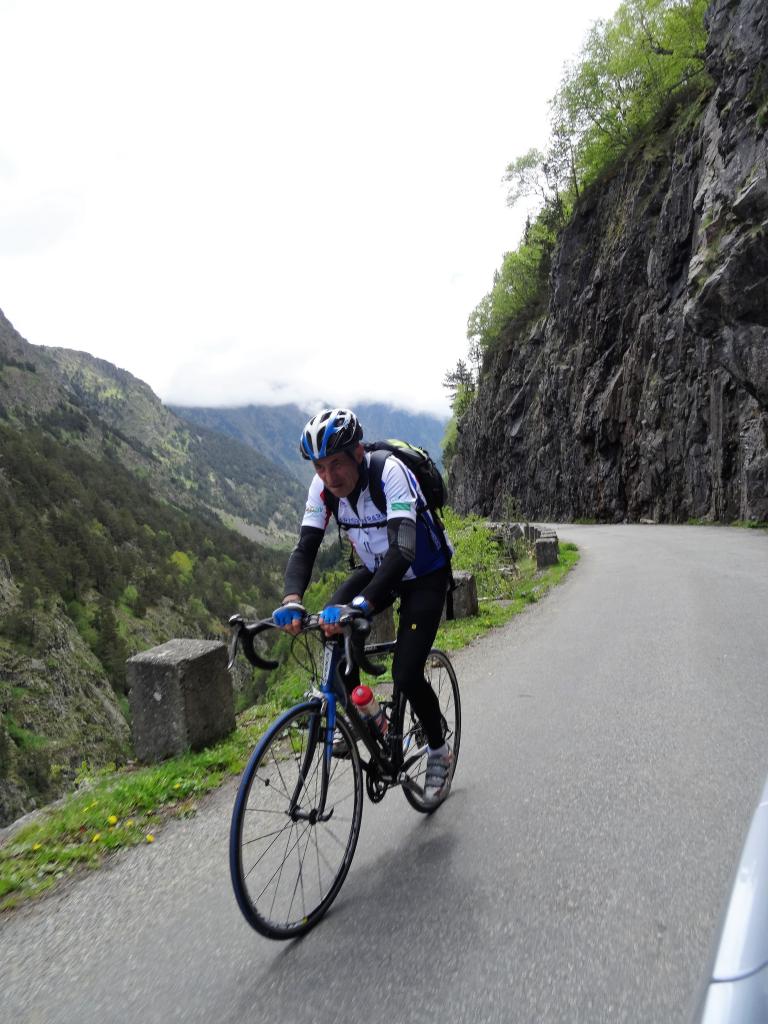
{"x":407,"y":783}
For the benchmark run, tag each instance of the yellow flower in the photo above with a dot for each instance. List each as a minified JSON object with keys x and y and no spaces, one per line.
{"x":37,"y":846}
{"x":177,"y":785}
{"x":112,"y":819}
{"x":95,"y":837}
{"x":150,"y":838}
{"x":129,"y":823}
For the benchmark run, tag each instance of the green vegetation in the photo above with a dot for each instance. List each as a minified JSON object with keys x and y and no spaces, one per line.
{"x":741,"y":524}
{"x":631,"y":68}
{"x":85,"y":537}
{"x":114,"y":809}
{"x":477,"y":552}
{"x":628,"y":70}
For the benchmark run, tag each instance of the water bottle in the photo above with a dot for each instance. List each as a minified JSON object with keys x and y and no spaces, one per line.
{"x":370,"y":709}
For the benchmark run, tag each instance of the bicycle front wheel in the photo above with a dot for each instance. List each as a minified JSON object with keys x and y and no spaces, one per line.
{"x":440,"y":675}
{"x":288,"y":854}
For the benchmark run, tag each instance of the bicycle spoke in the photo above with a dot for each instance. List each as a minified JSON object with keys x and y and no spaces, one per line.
{"x":299,"y":876}
{"x":282,"y":865}
{"x":286,"y":874}
{"x":333,"y":836}
{"x":440,"y":676}
{"x":265,"y":852}
{"x":277,"y":767}
{"x":266,"y":835}
{"x":317,"y":857}
{"x":268,"y":782}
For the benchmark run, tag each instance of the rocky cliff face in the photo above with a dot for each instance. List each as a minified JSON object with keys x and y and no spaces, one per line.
{"x":56,"y":709}
{"x":644,"y":391}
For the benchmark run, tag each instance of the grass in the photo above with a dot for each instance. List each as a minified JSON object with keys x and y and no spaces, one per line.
{"x":114,"y":809}
{"x":23,"y":738}
{"x":741,"y":524}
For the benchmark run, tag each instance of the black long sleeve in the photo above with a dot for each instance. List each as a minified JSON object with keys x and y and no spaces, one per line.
{"x":401,"y":534}
{"x":302,"y":559}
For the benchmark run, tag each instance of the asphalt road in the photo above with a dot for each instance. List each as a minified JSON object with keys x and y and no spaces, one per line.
{"x":613,"y":750}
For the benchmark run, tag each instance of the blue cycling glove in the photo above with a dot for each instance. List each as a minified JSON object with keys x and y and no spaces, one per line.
{"x":288,"y":613}
{"x":331,"y":614}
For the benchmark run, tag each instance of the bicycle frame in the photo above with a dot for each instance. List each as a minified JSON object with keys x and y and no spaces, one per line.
{"x":388,"y":770}
{"x":381,"y":768}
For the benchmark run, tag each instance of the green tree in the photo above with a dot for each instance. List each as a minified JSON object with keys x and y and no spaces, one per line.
{"x":629,"y":68}
{"x":110,"y":648}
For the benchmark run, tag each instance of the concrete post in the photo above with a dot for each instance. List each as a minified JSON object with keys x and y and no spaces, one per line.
{"x":383,"y":629}
{"x":180,"y":695}
{"x":465,"y":602}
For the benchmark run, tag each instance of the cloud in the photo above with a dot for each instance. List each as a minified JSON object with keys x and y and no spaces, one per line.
{"x":40,"y":222}
{"x":268,"y":202}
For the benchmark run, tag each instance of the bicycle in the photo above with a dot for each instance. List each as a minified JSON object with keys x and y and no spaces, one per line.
{"x":298,"y":809}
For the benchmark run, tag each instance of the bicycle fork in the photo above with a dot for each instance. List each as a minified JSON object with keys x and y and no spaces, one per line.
{"x":326,"y":708}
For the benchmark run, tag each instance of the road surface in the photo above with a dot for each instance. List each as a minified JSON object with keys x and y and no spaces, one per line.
{"x":613,"y":750}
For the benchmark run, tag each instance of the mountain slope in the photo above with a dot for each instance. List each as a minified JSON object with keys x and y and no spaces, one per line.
{"x":110,"y":542}
{"x":94,"y":568}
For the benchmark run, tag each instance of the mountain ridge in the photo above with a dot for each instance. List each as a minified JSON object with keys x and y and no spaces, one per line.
{"x":277,"y":429}
{"x":95,"y":402}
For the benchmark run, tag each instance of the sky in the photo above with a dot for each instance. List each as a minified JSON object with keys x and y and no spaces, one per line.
{"x":269,"y":202}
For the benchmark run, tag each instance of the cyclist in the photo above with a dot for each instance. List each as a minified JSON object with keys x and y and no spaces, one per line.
{"x":402,"y":556}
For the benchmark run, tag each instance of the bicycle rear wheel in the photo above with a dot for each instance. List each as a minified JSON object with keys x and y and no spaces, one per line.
{"x":287,"y":863}
{"x":439,"y":673}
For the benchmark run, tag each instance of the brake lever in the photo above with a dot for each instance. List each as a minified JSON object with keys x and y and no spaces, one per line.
{"x":236,"y":623}
{"x":244,"y":635}
{"x":348,"y":652}
{"x":353,"y":650}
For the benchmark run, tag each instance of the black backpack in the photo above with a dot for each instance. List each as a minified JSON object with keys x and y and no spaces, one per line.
{"x":415,"y":459}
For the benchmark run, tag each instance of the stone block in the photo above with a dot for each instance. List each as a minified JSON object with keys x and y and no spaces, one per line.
{"x":546,"y":552}
{"x":383,"y":629}
{"x":505,"y":534}
{"x":180,"y":695}
{"x":464,"y":596}
{"x":549,"y":534}
{"x":498,"y":530}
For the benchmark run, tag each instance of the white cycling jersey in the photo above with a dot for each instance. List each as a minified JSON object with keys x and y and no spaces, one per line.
{"x":366,"y":526}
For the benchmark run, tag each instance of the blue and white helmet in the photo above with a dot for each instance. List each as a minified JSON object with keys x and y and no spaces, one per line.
{"x":330,"y":431}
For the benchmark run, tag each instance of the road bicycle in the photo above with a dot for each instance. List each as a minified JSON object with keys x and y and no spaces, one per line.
{"x":298,"y":809}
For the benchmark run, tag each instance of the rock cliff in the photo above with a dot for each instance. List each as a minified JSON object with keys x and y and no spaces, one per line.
{"x":56,"y":709}
{"x":644,"y":390}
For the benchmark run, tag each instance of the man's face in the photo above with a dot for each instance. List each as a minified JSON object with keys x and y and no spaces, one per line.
{"x":340,"y":472}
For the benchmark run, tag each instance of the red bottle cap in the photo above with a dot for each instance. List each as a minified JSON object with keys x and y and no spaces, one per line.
{"x":362,"y":695}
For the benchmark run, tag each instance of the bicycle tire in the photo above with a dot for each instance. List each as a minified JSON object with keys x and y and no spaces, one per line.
{"x":441,"y":676}
{"x":286,"y":874}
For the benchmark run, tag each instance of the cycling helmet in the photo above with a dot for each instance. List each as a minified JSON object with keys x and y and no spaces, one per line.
{"x":331,"y":431}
